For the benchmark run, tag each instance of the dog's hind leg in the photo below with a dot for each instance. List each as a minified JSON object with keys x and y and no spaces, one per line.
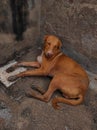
{"x":72,"y":101}
{"x":46,"y":96}
{"x":39,"y":89}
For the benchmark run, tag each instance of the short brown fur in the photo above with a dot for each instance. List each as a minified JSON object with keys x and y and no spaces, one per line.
{"x":67,"y":75}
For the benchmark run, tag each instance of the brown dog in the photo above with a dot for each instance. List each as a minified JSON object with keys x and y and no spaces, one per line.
{"x":68,"y":76}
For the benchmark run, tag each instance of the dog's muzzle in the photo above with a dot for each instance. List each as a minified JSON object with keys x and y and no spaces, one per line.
{"x":49,"y":54}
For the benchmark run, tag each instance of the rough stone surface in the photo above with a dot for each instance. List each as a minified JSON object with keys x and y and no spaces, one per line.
{"x":75,"y":22}
{"x":18,"y":112}
{"x":5,"y":16}
{"x":9,"y":47}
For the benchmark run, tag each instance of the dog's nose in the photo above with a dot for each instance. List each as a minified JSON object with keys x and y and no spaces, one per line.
{"x":49,"y":54}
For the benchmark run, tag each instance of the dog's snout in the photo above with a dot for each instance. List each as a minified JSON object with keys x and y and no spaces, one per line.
{"x":49,"y":54}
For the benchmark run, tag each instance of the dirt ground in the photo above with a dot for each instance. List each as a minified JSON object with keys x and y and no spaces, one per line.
{"x":18,"y":112}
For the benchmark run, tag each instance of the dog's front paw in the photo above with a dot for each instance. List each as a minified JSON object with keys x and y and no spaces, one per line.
{"x":12,"y":78}
{"x":10,"y":69}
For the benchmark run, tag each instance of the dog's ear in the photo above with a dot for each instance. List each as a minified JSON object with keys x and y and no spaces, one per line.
{"x":60,"y":44}
{"x":45,"y":37}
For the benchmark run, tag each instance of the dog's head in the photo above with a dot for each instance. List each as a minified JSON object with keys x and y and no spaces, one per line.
{"x":52,"y":46}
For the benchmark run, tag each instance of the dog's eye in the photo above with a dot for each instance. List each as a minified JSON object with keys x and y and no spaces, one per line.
{"x":56,"y":47}
{"x":49,"y":43}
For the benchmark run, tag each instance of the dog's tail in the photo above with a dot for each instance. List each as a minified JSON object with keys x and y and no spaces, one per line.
{"x":68,"y":101}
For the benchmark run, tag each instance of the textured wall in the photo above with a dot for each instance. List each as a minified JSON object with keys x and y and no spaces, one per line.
{"x":75,"y":22}
{"x":5,"y":16}
{"x":9,"y":47}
